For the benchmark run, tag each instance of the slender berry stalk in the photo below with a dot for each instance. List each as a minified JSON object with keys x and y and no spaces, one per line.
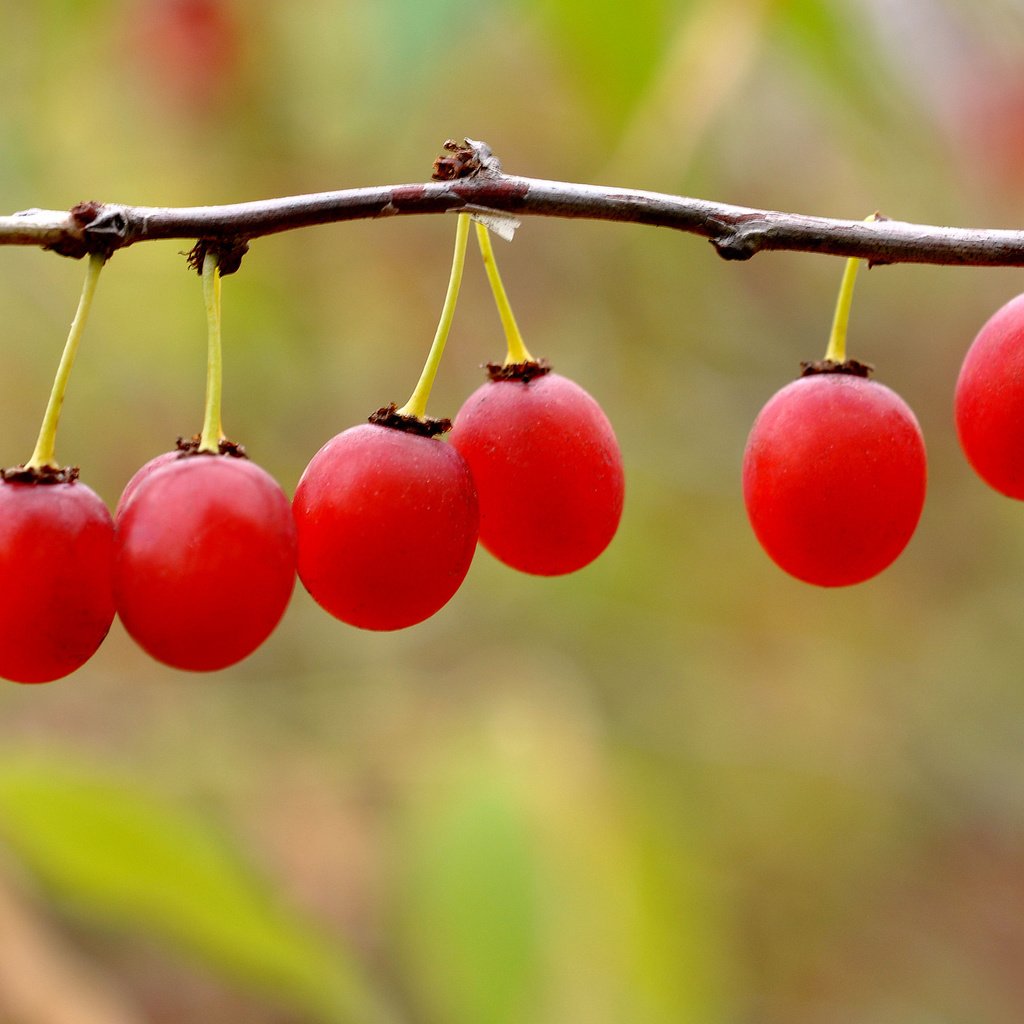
{"x":836,"y":351}
{"x":416,"y":407}
{"x":517,"y":350}
{"x":44,"y":455}
{"x":213,"y":431}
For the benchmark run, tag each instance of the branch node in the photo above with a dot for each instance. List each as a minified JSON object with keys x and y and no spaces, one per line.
{"x":76,"y":241}
{"x":104,"y":227}
{"x":735,"y":246}
{"x":737,"y":239}
{"x":469,"y":159}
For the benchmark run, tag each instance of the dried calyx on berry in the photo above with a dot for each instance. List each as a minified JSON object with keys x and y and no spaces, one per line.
{"x":187,"y":446}
{"x":39,"y":474}
{"x":524,"y":372}
{"x":425,"y":426}
{"x":852,"y":367}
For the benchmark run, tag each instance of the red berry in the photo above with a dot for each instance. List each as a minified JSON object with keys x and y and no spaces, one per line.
{"x":989,"y":401}
{"x":834,"y":478}
{"x":387,"y":523}
{"x":56,"y":562}
{"x":548,"y":470}
{"x":205,"y":560}
{"x":141,"y":474}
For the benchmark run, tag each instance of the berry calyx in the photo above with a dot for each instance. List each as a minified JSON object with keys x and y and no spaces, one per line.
{"x":56,"y":561}
{"x":387,"y":522}
{"x":547,"y":467}
{"x":205,"y":560}
{"x":989,"y":401}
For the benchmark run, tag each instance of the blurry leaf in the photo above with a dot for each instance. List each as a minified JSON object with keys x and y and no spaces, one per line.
{"x":112,"y":853}
{"x":419,"y":29}
{"x":709,"y":56}
{"x":539,"y":889}
{"x":471,"y":905}
{"x":637,"y":923}
{"x":613,"y":49}
{"x":837,"y":49}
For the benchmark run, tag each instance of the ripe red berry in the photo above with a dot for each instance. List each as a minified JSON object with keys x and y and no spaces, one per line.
{"x":989,"y":401}
{"x":142,"y":473}
{"x":56,"y":562}
{"x":548,"y":470}
{"x":387,"y":523}
{"x":205,"y":560}
{"x":834,"y":477}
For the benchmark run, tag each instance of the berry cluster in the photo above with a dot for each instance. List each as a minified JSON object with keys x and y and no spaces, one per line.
{"x":200,"y":558}
{"x":835,"y":472}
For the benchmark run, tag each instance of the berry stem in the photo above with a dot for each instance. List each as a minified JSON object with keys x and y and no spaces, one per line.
{"x":213,"y":432}
{"x":416,"y":407}
{"x":836,"y":351}
{"x":517,"y":350}
{"x":44,"y":455}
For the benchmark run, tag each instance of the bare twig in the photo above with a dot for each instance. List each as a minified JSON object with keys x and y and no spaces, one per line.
{"x":477,"y":185}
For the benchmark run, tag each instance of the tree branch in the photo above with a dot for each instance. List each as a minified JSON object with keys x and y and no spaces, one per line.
{"x":736,"y":232}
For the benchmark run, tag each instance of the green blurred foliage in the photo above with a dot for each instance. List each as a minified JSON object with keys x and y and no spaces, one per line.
{"x":677,"y":786}
{"x":115,"y":855}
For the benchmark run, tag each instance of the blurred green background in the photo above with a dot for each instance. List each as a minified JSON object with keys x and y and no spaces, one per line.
{"x":677,"y":786}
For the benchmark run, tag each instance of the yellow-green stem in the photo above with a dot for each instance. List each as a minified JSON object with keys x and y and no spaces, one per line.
{"x":213,"y":433}
{"x":517,"y":350}
{"x":417,"y":404}
{"x":836,"y":350}
{"x":44,"y":455}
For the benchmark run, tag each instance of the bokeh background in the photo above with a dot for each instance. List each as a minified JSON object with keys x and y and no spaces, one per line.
{"x":675,"y":787}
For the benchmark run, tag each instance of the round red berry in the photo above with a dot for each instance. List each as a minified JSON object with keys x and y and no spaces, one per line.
{"x":56,"y":563}
{"x":205,"y":561}
{"x":989,"y":401}
{"x":142,"y":473}
{"x":834,"y":478}
{"x":548,"y":470}
{"x":387,"y":523}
